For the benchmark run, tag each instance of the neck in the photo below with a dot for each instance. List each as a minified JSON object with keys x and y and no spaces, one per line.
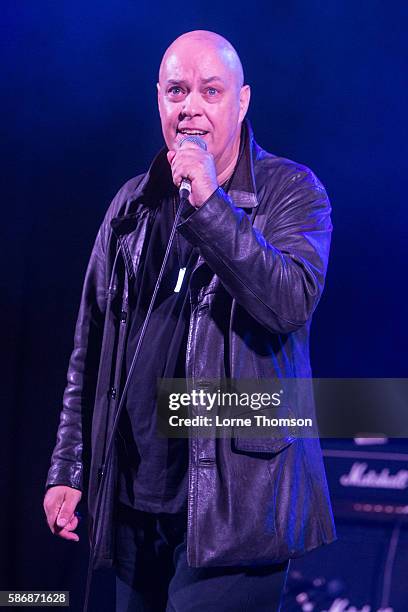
{"x":225,"y":174}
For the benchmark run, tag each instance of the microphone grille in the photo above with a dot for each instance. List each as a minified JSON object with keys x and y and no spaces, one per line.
{"x":196,"y":140}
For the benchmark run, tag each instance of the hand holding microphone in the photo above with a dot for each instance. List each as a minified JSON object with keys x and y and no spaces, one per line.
{"x":193,"y":170}
{"x":185,"y":185}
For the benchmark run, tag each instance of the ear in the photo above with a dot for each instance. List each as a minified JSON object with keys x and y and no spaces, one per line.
{"x":158,"y":94}
{"x":244,"y":98}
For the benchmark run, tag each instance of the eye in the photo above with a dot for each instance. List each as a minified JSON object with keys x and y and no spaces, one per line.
{"x":175,"y":90}
{"x":211,"y":91}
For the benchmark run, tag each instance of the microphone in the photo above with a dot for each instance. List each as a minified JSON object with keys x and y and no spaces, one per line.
{"x":185,"y":185}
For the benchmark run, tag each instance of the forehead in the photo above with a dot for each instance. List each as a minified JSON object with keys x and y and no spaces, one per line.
{"x":194,"y":61}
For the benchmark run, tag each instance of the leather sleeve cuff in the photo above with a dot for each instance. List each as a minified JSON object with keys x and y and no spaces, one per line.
{"x":69,"y":475}
{"x":206,"y":222}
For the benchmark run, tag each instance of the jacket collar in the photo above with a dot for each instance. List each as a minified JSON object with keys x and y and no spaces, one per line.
{"x":242,"y":188}
{"x":158,"y":183}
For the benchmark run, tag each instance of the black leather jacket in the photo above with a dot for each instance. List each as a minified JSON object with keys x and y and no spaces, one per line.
{"x":267,"y":243}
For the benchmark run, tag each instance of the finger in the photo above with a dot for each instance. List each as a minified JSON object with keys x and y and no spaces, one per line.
{"x":170,"y":156}
{"x":66,"y":513}
{"x":51,"y":512}
{"x":180,"y":169}
{"x":68,"y":535}
{"x":51,"y":517}
{"x":176,"y":175}
{"x":67,"y":532}
{"x":177,"y":178}
{"x":186,"y":155}
{"x":73,"y":524}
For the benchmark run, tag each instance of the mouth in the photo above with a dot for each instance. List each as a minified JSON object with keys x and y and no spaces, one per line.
{"x":191,"y":132}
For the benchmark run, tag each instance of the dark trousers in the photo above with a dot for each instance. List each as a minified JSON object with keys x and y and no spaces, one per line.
{"x":152,"y":574}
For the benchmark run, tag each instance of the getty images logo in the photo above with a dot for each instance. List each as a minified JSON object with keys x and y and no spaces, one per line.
{"x":359,"y":476}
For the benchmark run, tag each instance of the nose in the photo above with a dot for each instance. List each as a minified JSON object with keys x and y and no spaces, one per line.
{"x":192,"y":105}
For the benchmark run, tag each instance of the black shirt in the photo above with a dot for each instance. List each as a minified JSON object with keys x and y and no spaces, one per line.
{"x":153,"y":471}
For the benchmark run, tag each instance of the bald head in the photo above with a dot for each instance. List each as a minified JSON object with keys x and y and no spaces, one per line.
{"x":204,"y":42}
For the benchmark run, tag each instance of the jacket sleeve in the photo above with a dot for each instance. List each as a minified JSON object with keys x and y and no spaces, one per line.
{"x":67,"y":458}
{"x":71,"y":455}
{"x":277,"y":275}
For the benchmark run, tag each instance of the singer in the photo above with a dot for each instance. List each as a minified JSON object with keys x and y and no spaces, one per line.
{"x":199,"y":524}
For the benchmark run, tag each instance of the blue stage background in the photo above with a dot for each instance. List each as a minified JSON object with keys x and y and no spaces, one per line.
{"x":79,"y":118}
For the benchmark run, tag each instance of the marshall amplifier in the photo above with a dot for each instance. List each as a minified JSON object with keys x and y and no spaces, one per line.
{"x":368,"y":479}
{"x":365,"y":570}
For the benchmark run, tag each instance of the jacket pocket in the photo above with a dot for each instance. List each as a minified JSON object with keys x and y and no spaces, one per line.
{"x":262,"y":445}
{"x":283,"y":435}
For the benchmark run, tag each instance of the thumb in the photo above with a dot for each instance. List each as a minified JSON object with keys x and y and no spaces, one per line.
{"x":65,"y":514}
{"x":62,"y":520}
{"x":170,"y":156}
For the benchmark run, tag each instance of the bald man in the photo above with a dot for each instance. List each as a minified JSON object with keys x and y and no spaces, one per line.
{"x":201,"y":523}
